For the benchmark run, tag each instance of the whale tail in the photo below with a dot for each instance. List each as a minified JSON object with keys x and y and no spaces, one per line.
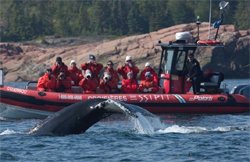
{"x":78,"y":117}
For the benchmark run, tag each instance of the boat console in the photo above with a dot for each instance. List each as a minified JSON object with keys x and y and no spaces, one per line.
{"x":212,"y":83}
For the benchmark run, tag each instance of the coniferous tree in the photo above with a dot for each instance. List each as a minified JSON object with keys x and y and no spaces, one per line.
{"x":134,"y":19}
{"x":242,"y":14}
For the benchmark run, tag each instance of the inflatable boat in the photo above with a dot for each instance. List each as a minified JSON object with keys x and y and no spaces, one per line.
{"x":19,"y":103}
{"x":174,"y":96}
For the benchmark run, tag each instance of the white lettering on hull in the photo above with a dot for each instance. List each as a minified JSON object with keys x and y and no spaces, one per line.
{"x":70,"y":97}
{"x":17,"y":90}
{"x":201,"y":98}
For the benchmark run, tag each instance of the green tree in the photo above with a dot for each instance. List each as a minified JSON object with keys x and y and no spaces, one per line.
{"x":242,"y":14}
{"x":134,"y":19}
{"x":180,"y":12}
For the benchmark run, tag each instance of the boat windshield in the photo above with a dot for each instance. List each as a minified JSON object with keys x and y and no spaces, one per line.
{"x":168,"y":59}
{"x":180,"y":60}
{"x":174,"y":61}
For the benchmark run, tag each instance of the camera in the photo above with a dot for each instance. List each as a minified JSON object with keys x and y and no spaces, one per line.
{"x":88,"y":76}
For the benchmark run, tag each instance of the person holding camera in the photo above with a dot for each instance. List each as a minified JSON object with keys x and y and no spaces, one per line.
{"x":107,"y":85}
{"x":59,"y":66}
{"x":113,"y":73}
{"x":47,"y":82}
{"x":149,"y":84}
{"x":63,"y":83}
{"x":130,"y":84}
{"x":89,"y":83}
{"x":93,"y":66}
{"x":128,"y":67}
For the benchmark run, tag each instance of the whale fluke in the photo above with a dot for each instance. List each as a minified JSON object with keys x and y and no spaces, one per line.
{"x":78,"y":117}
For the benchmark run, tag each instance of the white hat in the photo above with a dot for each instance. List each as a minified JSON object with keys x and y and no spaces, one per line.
{"x":147,"y":64}
{"x":128,"y":58}
{"x":72,"y":61}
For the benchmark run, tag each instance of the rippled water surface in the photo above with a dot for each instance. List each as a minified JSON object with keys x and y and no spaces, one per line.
{"x":177,"y":138}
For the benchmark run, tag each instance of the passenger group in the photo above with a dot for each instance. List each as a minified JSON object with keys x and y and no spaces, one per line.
{"x":60,"y":78}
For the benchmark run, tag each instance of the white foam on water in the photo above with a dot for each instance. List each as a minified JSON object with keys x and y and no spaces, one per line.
{"x":223,"y":129}
{"x":153,"y":125}
{"x":2,"y":118}
{"x":182,"y":129}
{"x":7,"y":132}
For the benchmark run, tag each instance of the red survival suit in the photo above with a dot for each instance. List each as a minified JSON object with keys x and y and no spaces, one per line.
{"x":149,"y":85}
{"x":151,"y":70}
{"x":129,"y":86}
{"x":114,"y":77}
{"x":64,"y":85}
{"x":56,"y":69}
{"x":126,"y":69}
{"x":75,"y":74}
{"x":95,"y":68}
{"x":89,"y":85}
{"x":105,"y":86}
{"x":46,"y":83}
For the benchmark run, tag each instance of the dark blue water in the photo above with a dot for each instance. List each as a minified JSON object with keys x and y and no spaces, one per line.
{"x":178,"y":138}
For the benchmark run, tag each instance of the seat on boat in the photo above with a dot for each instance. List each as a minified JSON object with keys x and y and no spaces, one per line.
{"x":76,"y":89}
{"x":212,"y":84}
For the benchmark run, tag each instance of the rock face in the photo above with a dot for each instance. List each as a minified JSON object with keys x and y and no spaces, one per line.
{"x":22,"y":61}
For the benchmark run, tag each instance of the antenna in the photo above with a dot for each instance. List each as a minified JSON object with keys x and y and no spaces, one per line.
{"x":222,"y":6}
{"x":209,"y":25}
{"x":198,"y":25}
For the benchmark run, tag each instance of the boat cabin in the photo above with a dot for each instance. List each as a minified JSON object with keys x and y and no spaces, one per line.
{"x":172,"y":69}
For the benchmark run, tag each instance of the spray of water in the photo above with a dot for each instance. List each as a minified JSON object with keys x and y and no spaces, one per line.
{"x":7,"y":132}
{"x":153,"y":125}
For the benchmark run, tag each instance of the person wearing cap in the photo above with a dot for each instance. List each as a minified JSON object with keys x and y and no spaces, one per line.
{"x":194,"y":73}
{"x":93,"y":66}
{"x":148,"y":85}
{"x":89,"y":83}
{"x":130,"y":84}
{"x":148,"y":68}
{"x":59,"y":66}
{"x":47,"y":82}
{"x":113,"y":74}
{"x":128,"y":67}
{"x":75,"y":73}
{"x":63,"y":83}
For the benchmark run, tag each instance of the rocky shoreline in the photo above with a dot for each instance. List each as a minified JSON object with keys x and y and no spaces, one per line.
{"x":27,"y":60}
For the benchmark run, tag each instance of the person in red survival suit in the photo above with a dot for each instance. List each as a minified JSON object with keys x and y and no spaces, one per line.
{"x":75,"y":73}
{"x":130,"y":84}
{"x":93,"y":66}
{"x":114,"y":75}
{"x":89,"y":83}
{"x":149,"y":85}
{"x":47,"y":82}
{"x":64,"y":83}
{"x":59,"y":66}
{"x":107,"y":85}
{"x":128,"y":67}
{"x":148,"y":68}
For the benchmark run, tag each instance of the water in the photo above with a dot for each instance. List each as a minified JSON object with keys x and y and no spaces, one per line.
{"x":177,"y":138}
